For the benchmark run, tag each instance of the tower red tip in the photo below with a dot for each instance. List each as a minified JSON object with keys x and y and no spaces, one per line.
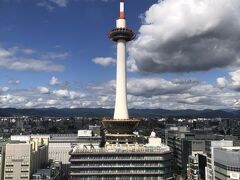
{"x":122,"y":16}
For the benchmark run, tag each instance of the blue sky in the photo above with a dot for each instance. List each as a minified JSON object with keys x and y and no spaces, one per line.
{"x":55,"y":51}
{"x":79,"y":29}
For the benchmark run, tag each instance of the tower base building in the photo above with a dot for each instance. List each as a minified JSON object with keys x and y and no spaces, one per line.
{"x":151,"y":161}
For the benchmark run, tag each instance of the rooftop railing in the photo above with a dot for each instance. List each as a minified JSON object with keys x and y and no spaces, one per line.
{"x":122,"y":149}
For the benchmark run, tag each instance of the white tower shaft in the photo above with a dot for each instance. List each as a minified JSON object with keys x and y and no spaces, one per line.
{"x":121,"y":109}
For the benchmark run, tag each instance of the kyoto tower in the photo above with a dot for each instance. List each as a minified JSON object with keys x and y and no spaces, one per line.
{"x":121,"y":124}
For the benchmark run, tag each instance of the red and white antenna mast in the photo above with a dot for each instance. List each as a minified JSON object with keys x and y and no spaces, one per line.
{"x":122,"y":16}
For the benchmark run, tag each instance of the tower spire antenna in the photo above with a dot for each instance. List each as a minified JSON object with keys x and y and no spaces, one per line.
{"x":122,"y":15}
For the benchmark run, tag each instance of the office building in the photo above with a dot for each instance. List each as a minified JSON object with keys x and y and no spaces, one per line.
{"x":209,"y":150}
{"x":183,"y":143}
{"x":23,"y":159}
{"x":151,"y":161}
{"x":196,"y":167}
{"x":61,"y":144}
{"x":227,"y":163}
{"x":193,"y":171}
{"x":2,"y":158}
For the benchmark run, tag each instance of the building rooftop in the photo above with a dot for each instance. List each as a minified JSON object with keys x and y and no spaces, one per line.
{"x":43,"y":173}
{"x":85,"y":133}
{"x":124,"y":148}
{"x":228,"y":156}
{"x":63,"y":137}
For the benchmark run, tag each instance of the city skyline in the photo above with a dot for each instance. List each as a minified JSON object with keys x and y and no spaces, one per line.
{"x":55,"y":53}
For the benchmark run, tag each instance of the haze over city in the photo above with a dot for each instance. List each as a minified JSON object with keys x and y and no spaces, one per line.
{"x":55,"y":53}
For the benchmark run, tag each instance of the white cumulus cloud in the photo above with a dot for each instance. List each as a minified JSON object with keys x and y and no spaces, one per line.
{"x":233,"y":82}
{"x":188,"y":35}
{"x":104,"y":61}
{"x":10,"y":59}
{"x":54,"y":81}
{"x":222,"y":82}
{"x":43,"y":90}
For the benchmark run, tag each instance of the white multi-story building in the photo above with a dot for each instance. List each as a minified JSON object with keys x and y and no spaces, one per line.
{"x":227,"y":163}
{"x":151,"y":161}
{"x":209,"y":148}
{"x":61,"y":144}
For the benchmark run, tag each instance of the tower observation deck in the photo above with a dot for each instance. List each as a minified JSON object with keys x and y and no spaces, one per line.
{"x":121,"y":124}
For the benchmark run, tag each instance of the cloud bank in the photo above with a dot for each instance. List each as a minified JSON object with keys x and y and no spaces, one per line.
{"x":18,"y":59}
{"x":185,"y":36}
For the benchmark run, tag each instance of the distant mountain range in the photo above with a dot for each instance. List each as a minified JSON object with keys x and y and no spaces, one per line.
{"x":100,"y":112}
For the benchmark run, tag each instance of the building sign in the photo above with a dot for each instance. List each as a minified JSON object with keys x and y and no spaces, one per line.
{"x":17,"y":160}
{"x":234,"y":175}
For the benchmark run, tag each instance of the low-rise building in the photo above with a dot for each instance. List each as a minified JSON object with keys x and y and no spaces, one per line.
{"x":54,"y":172}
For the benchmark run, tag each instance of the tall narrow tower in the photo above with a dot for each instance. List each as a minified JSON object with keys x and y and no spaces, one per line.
{"x":121,"y":35}
{"x":121,"y":124}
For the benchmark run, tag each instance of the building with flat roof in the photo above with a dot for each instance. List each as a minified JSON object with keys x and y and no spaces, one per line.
{"x":122,"y":161}
{"x":53,"y":172}
{"x":227,"y":163}
{"x":61,"y":144}
{"x":23,"y":159}
{"x":209,"y":150}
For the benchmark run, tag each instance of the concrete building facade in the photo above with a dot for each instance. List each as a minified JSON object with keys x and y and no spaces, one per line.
{"x":18,"y":161}
{"x":227,"y":163}
{"x":60,"y":145}
{"x":209,"y":149}
{"x":23,"y":159}
{"x":122,"y":161}
{"x":196,"y":167}
{"x":2,"y":160}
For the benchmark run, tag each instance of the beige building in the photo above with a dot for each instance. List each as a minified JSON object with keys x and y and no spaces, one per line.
{"x":2,"y":155}
{"x":23,"y":159}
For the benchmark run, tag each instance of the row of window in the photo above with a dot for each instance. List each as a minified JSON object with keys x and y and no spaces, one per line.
{"x":122,"y":164}
{"x":120,"y":178}
{"x":121,"y":171}
{"x":22,"y":157}
{"x":119,"y":157}
{"x":229,"y":168}
{"x":11,"y":177}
